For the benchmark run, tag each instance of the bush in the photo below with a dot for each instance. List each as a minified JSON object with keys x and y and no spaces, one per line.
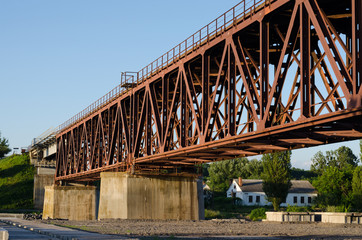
{"x":257,"y":214}
{"x":297,"y":209}
{"x":209,"y":214}
{"x":339,"y":208}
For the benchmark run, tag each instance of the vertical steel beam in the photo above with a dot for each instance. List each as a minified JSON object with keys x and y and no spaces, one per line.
{"x":231,"y":93}
{"x":183,"y":108}
{"x":148,"y":125}
{"x":189,"y":125}
{"x":225,"y":131}
{"x":205,"y":90}
{"x":164,"y":109}
{"x":131,"y":123}
{"x":312,"y":89}
{"x":134,"y":120}
{"x":264,"y":64}
{"x":357,"y":45}
{"x":305,"y":61}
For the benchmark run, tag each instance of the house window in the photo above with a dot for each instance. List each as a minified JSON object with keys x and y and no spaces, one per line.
{"x":309,"y":200}
{"x":302,"y":200}
{"x":295,"y":200}
{"x":250,"y":199}
{"x":257,"y":199}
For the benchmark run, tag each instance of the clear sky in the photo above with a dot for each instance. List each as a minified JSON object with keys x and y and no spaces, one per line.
{"x":57,"y":57}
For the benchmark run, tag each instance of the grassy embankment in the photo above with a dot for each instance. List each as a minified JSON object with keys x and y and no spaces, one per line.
{"x":16,"y":182}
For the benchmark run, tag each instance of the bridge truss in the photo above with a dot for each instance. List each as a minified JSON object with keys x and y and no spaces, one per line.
{"x":266,"y":76}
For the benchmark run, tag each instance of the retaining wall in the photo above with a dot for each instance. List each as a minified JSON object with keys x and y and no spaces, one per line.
{"x":325,"y":217}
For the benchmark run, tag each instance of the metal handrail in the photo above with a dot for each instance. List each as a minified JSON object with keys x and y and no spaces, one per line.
{"x":232,"y":17}
{"x":48,"y":134}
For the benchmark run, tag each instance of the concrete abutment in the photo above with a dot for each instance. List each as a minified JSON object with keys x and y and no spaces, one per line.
{"x":144,"y":197}
{"x":44,"y":176}
{"x":70,"y":202}
{"x":125,"y":196}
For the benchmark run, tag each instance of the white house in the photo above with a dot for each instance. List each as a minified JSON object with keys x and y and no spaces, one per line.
{"x":250,"y":191}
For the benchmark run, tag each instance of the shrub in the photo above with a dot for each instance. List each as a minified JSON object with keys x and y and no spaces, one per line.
{"x":257,"y":214}
{"x":297,"y":209}
{"x":212,"y":214}
{"x":339,"y":208}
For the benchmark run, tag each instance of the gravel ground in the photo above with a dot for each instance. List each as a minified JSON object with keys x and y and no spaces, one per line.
{"x":216,"y":229}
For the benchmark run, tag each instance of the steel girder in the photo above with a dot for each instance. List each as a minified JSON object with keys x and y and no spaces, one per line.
{"x":286,"y":77}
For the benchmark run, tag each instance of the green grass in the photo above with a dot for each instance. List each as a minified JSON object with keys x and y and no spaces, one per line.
{"x":16,"y":182}
{"x":84,"y":228}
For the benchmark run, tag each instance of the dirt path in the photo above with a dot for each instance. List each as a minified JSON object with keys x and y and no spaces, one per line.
{"x":217,"y":229}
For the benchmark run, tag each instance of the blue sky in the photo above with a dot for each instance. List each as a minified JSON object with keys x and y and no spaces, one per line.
{"x":57,"y":57}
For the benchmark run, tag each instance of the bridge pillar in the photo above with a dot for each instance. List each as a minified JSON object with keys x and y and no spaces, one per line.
{"x":70,"y":202}
{"x":139,"y":197}
{"x":44,"y":176}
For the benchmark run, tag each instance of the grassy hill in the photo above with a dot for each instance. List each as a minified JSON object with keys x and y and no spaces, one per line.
{"x":16,"y":182}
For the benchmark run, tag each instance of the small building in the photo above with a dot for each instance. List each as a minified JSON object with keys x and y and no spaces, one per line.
{"x":250,"y":191}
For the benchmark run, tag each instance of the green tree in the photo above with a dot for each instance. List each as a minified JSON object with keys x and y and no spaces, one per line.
{"x":319,"y":163}
{"x":277,"y":175}
{"x":220,"y":173}
{"x":254,"y":169}
{"x":344,"y":157}
{"x":4,"y":146}
{"x":357,"y":188}
{"x":301,"y":174}
{"x":334,"y":187}
{"x":341,"y":158}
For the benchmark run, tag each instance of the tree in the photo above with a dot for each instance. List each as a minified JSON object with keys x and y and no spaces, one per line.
{"x":334,"y":183}
{"x":341,"y":158}
{"x":344,"y":157}
{"x":221,"y":172}
{"x":301,"y":174}
{"x":254,"y":169}
{"x":276,"y":176}
{"x":357,"y":188}
{"x":4,"y":147}
{"x":319,"y":163}
{"x":334,"y":186}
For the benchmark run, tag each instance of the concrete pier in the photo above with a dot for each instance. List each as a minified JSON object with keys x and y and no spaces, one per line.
{"x":70,"y":202}
{"x":44,"y":176}
{"x":127,"y":196}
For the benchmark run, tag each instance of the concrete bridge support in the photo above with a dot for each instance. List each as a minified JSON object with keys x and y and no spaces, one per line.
{"x":70,"y":202}
{"x":127,"y":196}
{"x":44,"y":176}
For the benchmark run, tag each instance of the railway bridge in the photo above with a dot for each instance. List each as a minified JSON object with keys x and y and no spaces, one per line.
{"x":265,"y":76}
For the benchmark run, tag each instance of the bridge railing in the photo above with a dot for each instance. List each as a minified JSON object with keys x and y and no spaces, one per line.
{"x":235,"y":15}
{"x":45,"y":136}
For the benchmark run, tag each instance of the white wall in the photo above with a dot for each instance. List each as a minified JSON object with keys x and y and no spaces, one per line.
{"x":263,"y":202}
{"x":234,"y":186}
{"x":290,"y":199}
{"x":253,"y":195}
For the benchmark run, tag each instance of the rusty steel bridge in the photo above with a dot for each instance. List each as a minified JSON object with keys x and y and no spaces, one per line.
{"x":267,"y":75}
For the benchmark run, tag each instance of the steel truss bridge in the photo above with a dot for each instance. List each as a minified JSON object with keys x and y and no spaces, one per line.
{"x":267,"y":75}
